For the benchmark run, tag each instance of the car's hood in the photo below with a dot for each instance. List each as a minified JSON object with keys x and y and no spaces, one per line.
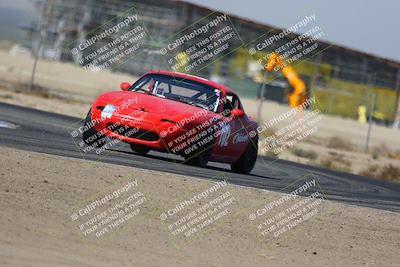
{"x":148,"y":103}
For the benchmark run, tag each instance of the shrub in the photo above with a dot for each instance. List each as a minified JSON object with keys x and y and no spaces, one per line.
{"x":387,"y":172}
{"x":309,"y":154}
{"x":339,"y":143}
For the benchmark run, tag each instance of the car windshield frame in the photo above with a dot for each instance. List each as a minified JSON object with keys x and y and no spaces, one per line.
{"x":211,"y":104}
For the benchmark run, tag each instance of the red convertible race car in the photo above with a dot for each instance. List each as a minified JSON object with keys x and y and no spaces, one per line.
{"x":176,"y":113}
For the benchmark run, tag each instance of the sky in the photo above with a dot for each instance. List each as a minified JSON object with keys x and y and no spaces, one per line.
{"x":13,"y":14}
{"x":367,"y":25}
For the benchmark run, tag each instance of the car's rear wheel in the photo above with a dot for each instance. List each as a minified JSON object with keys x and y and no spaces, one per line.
{"x":90,"y":136}
{"x":141,"y":150}
{"x":248,"y":159}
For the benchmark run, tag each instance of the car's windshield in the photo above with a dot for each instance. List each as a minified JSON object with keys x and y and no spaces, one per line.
{"x":178,"y":89}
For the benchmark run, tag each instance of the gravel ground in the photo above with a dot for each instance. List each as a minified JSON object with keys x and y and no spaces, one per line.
{"x":39,"y":195}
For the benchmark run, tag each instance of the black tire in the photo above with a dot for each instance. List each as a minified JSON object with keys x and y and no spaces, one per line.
{"x":248,"y":159}
{"x":200,"y":156}
{"x":91,"y":137}
{"x":141,"y":150}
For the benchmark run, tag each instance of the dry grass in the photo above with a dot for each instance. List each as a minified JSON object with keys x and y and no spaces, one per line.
{"x":315,"y":140}
{"x":385,"y":151}
{"x":263,"y":141}
{"x":303,"y":153}
{"x":335,"y":162}
{"x":339,"y":158}
{"x":7,"y":96}
{"x":340,"y":144}
{"x":388,"y":172}
{"x":37,"y":90}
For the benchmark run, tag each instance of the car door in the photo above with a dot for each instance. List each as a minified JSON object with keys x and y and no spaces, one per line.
{"x":233,"y":138}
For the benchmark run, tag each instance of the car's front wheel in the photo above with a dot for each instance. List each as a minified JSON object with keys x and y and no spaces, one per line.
{"x":248,"y":159}
{"x":90,"y":136}
{"x":201,"y":155}
{"x":141,"y":150}
{"x":200,"y":159}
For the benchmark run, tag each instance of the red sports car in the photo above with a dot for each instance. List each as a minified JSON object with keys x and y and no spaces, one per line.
{"x":176,"y":113}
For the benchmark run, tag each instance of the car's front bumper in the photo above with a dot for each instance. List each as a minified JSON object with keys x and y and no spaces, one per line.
{"x":147,"y":129}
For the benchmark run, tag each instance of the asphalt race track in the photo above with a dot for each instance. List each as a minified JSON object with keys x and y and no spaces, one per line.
{"x":45,"y":132}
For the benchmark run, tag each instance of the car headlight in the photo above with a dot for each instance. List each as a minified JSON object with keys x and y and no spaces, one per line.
{"x":108,"y":111}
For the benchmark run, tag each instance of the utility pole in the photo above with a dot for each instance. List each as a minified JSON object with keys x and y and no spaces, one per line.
{"x":371,"y":81}
{"x":317,"y":65}
{"x":396,"y":123}
{"x":261,"y":97}
{"x":30,"y":86}
{"x":371,"y":112}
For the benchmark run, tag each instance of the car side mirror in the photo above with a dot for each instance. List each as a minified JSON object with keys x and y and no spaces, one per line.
{"x":125,"y":86}
{"x":237,"y":113}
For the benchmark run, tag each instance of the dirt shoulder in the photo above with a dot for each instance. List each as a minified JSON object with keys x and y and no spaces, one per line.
{"x":39,"y":193}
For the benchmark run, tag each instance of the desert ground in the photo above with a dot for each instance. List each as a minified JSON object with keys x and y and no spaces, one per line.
{"x":39,"y":192}
{"x":337,"y":144}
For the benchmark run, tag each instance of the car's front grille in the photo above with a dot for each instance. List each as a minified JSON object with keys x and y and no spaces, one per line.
{"x":133,"y":132}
